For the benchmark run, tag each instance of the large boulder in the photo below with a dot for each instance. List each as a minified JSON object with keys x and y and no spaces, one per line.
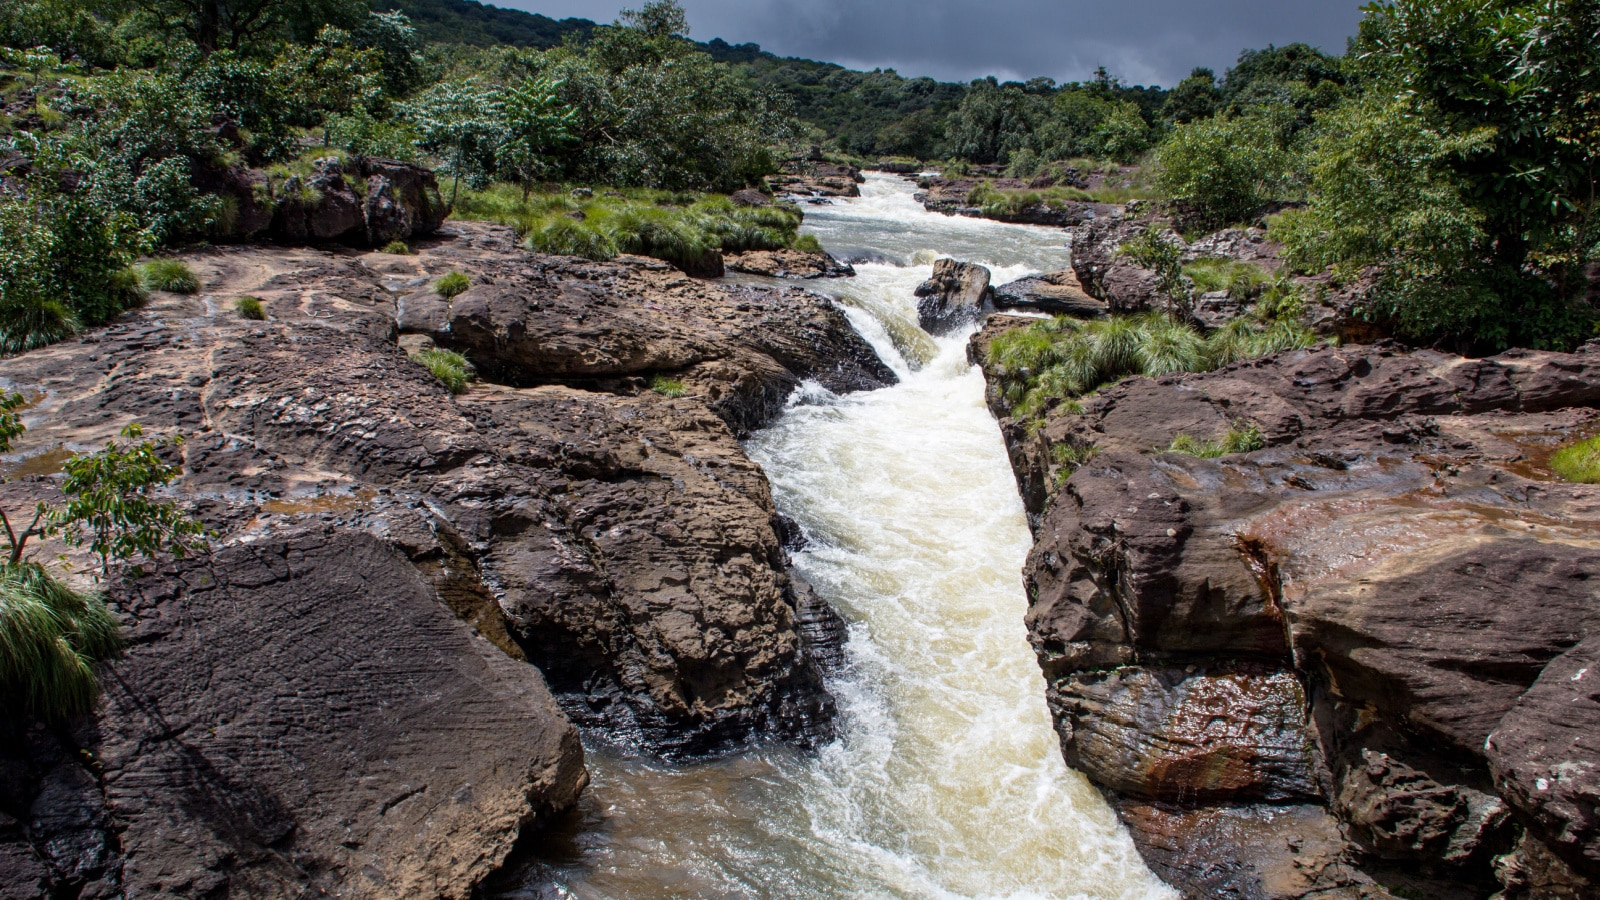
{"x":1056,"y":293}
{"x":957,"y":295}
{"x":1411,"y":586}
{"x":301,"y":714}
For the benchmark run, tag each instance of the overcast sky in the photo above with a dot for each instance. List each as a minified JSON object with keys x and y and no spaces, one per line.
{"x":1140,"y":41}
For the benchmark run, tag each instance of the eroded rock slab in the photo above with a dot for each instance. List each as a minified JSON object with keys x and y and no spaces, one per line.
{"x":1415,"y":591}
{"x":300,"y":714}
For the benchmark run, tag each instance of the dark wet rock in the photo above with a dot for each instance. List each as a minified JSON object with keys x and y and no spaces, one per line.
{"x":1056,"y":293}
{"x":1399,"y":551}
{"x":957,"y":295}
{"x":788,"y":264}
{"x":823,"y":632}
{"x":1258,"y":852}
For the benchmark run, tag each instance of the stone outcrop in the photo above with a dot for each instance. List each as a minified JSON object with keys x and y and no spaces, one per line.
{"x":815,"y":180}
{"x":1056,"y":293}
{"x":804,"y":264}
{"x":366,"y":202}
{"x":957,"y":295}
{"x":367,"y":689}
{"x":1370,"y":638}
{"x":952,"y":196}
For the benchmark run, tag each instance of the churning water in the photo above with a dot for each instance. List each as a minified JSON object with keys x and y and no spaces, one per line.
{"x":947,"y":780}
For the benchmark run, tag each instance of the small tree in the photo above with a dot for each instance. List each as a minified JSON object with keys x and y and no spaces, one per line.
{"x":110,"y":504}
{"x":537,"y":125}
{"x":111,"y":507}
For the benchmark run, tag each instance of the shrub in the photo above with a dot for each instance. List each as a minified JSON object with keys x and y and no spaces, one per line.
{"x":168,"y":275}
{"x":396,"y":248}
{"x":1222,"y":171}
{"x":1578,"y":463}
{"x":448,"y":366}
{"x":452,"y":284}
{"x":63,"y":265}
{"x":1059,"y":359}
{"x":111,"y":507}
{"x":667,"y":387}
{"x":249,"y":308}
{"x":50,"y":639}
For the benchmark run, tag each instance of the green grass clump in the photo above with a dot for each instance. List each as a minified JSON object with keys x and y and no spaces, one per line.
{"x":1578,"y":463}
{"x":450,"y":367}
{"x":396,"y":248}
{"x":50,"y":639}
{"x":168,"y":275}
{"x":1070,"y":459}
{"x":684,"y":229}
{"x":667,"y":387}
{"x":1239,"y":278}
{"x":1243,"y":437}
{"x":452,"y":284}
{"x":1060,"y":359}
{"x":249,"y":308}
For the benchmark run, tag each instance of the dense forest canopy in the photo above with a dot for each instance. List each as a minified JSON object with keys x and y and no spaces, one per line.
{"x":1445,"y":162}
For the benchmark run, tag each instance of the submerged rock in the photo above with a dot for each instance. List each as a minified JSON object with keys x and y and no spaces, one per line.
{"x":1400,"y":594}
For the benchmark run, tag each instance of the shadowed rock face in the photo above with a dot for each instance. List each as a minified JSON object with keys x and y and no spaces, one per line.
{"x":956,"y":296}
{"x":339,"y":698}
{"x":1381,"y":624}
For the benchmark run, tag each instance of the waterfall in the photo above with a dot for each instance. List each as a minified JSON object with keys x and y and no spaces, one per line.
{"x":947,"y":779}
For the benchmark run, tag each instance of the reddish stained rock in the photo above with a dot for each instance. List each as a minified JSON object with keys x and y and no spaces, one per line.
{"x":788,"y":264}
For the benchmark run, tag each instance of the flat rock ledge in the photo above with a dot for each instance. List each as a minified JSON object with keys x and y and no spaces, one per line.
{"x":1353,"y":663}
{"x":369,"y":687}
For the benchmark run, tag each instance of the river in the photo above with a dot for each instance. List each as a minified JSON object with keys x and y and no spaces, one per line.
{"x":947,"y":780}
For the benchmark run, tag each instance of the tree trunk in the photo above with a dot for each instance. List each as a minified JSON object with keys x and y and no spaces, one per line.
{"x":208,"y":27}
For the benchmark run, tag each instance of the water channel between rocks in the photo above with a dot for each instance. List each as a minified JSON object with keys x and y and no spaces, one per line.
{"x":947,"y":780}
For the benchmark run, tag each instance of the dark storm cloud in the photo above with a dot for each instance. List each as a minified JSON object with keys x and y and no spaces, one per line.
{"x":1141,"y":41}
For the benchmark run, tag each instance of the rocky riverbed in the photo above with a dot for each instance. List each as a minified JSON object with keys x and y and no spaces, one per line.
{"x":346,"y":695}
{"x":1352,"y":663}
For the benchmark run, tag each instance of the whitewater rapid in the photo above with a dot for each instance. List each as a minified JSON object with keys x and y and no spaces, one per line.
{"x":947,"y":780}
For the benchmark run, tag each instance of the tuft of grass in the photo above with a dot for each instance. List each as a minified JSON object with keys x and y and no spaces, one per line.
{"x":396,"y":248}
{"x":667,"y":387}
{"x":1237,"y":277}
{"x":50,"y":639}
{"x":450,"y":367}
{"x":1070,"y":459}
{"x":452,"y":284}
{"x":249,"y":308}
{"x":684,"y":229}
{"x":168,"y":275}
{"x":1058,"y":360}
{"x":1243,"y":437}
{"x":1578,"y":463}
